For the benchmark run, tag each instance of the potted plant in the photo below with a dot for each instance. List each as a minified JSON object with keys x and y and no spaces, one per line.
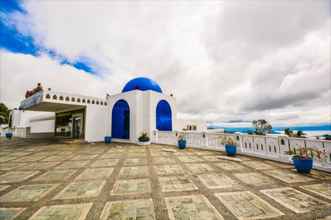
{"x":107,"y":139}
{"x":144,"y":139}
{"x":230,"y":146}
{"x":9,"y":135}
{"x":303,"y":158}
{"x":181,"y":142}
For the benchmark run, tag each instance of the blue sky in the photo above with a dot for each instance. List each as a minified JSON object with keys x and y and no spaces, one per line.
{"x":17,"y":42}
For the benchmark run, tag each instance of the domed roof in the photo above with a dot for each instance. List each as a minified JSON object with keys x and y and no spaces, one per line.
{"x":143,"y":84}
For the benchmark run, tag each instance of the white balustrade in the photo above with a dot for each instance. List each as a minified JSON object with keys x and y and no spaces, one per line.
{"x":267,"y":147}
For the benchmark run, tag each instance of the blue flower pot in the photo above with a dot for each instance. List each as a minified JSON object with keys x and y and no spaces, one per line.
{"x":107,"y":139}
{"x":9,"y":135}
{"x":231,"y":150}
{"x":303,"y":165}
{"x":181,"y":144}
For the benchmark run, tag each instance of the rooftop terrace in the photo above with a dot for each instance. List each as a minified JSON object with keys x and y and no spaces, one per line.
{"x":124,"y":181}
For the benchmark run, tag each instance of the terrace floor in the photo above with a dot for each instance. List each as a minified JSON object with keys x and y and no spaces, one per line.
{"x":124,"y":181}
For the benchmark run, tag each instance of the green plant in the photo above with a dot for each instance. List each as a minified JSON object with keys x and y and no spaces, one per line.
{"x":262,"y":127}
{"x":181,"y":138}
{"x":143,"y":137}
{"x":4,"y":114}
{"x":300,"y":134}
{"x":288,"y":132}
{"x":304,"y":153}
{"x":228,"y":140}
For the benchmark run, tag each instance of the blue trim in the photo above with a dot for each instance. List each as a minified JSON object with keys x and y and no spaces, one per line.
{"x":163,"y":116}
{"x":143,"y":84}
{"x":120,"y":126}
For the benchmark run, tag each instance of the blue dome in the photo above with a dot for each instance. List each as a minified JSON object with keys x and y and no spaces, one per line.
{"x":143,"y":84}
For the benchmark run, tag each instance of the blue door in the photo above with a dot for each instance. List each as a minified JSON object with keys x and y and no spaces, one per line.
{"x":121,"y":120}
{"x":163,"y":116}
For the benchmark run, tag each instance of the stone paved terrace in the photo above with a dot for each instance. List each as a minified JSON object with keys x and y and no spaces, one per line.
{"x":124,"y":181}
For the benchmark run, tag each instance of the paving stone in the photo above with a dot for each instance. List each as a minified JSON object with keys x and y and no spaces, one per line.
{"x":95,"y":173}
{"x":320,"y":175}
{"x":246,"y":205}
{"x":72,"y":165}
{"x":6,"y":159}
{"x":212,"y":158}
{"x":184,"y":153}
{"x":10,"y":213}
{"x":325,"y":218}
{"x":217,"y":181}
{"x":28,"y":193}
{"x":32,"y":158}
{"x":288,"y":176}
{"x":105,"y":163}
{"x":11,"y":166}
{"x":322,"y":189}
{"x":62,"y":212}
{"x":197,"y":168}
{"x":164,"y":164}
{"x":136,"y":150}
{"x":81,"y":189}
{"x":134,"y":172}
{"x":131,"y":186}
{"x":133,"y":155}
{"x":4,"y":187}
{"x":193,"y":207}
{"x":230,"y":166}
{"x":19,"y":154}
{"x":279,"y":164}
{"x":17,"y":176}
{"x":165,"y":170}
{"x":259,"y":165}
{"x":190,"y":159}
{"x":56,"y":158}
{"x":55,"y":175}
{"x":135,"y":161}
{"x":84,"y":157}
{"x":295,"y":200}
{"x":204,"y":153}
{"x":111,"y":156}
{"x":142,"y":209}
{"x":116,"y":150}
{"x":161,"y":154}
{"x":176,"y":183}
{"x":255,"y":179}
{"x":163,"y":160}
{"x":38,"y":166}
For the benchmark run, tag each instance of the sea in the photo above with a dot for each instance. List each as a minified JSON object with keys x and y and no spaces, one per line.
{"x":308,"y":130}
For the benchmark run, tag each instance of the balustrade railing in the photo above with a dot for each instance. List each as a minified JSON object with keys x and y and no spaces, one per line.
{"x":267,"y":147}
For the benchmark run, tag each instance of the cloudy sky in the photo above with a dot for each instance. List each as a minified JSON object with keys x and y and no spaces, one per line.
{"x":224,"y":61}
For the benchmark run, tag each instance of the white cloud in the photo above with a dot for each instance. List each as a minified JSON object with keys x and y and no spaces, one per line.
{"x":223,"y":60}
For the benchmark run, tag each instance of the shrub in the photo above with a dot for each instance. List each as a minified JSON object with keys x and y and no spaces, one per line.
{"x":144,"y":137}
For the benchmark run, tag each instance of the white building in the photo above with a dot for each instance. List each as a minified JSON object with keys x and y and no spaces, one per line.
{"x":140,"y":107}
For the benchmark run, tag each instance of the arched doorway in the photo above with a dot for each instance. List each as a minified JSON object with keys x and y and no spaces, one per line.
{"x":120,"y":125}
{"x":163,"y":116}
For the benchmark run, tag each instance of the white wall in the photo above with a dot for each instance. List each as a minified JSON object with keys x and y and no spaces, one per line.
{"x":154,"y":99}
{"x":132,"y":99}
{"x":38,"y":122}
{"x":96,"y":117}
{"x":42,"y":126}
{"x":142,"y":106}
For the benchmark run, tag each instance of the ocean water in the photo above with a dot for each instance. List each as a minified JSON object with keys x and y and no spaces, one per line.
{"x":311,"y":130}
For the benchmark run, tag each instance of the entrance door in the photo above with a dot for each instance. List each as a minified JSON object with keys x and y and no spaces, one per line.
{"x":121,"y":120}
{"x":77,"y":127}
